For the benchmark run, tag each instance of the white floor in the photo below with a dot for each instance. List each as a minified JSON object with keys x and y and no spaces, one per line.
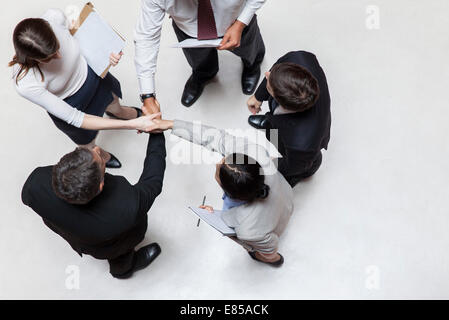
{"x":372,"y":224}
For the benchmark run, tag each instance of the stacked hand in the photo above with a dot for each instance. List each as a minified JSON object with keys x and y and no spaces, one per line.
{"x":146,"y":123}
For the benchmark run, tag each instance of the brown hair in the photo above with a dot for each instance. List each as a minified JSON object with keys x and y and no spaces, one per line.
{"x":76,"y":178}
{"x":294,"y":87}
{"x":33,"y":40}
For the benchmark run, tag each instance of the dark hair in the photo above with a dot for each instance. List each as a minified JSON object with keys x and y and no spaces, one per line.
{"x":77,"y":177}
{"x":294,"y":87}
{"x":33,"y":40}
{"x":241,"y":178}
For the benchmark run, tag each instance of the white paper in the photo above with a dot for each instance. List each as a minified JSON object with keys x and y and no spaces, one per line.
{"x":215,"y":220}
{"x":195,"y":43}
{"x":97,"y":41}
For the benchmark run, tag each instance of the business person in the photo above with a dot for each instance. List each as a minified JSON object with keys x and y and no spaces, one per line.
{"x":299,"y":101}
{"x":97,"y":213}
{"x":234,"y":20}
{"x":257,"y":199}
{"x":50,"y":71}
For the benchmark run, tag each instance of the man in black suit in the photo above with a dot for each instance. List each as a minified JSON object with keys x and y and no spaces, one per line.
{"x":299,"y":101}
{"x":97,"y":213}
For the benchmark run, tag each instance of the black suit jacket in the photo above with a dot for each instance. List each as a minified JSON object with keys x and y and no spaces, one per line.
{"x":301,"y":135}
{"x":115,"y":221}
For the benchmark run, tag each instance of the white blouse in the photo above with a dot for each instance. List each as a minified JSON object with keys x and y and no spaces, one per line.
{"x":62,"y":77}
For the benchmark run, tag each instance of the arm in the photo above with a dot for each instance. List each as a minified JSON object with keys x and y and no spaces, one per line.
{"x":262,"y":93}
{"x":39,"y":95}
{"x":57,"y":16}
{"x":218,"y":140}
{"x":147,"y":37}
{"x":249,"y":10}
{"x":233,"y":35}
{"x":150,"y":182}
{"x":211,"y":138}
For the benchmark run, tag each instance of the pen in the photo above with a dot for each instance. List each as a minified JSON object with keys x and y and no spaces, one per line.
{"x":199,"y":220}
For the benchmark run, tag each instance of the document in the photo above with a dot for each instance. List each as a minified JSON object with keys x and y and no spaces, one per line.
{"x":97,"y":41}
{"x":195,"y":43}
{"x":214,"y":220}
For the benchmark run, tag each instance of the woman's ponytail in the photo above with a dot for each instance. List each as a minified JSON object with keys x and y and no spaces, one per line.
{"x":263,"y":192}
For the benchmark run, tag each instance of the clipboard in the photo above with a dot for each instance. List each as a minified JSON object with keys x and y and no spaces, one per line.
{"x":87,"y":10}
{"x":215,"y":220}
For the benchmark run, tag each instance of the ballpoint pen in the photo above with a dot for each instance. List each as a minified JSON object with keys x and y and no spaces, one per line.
{"x":199,"y":220}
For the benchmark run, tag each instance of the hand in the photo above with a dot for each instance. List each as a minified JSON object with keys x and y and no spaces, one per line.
{"x":145,"y":123}
{"x":72,"y":25}
{"x":151,"y":106}
{"x":208,"y":208}
{"x":114,"y":59}
{"x":254,"y":105}
{"x":233,"y":36}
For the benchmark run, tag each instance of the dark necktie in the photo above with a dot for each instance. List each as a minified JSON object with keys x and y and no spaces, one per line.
{"x":206,"y":21}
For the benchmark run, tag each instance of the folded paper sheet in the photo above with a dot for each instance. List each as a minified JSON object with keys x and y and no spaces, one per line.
{"x":195,"y":43}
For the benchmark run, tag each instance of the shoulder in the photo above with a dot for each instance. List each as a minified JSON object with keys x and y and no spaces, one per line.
{"x":118,"y":187}
{"x":56,"y":16}
{"x":38,"y":181}
{"x":293,"y":55}
{"x":154,"y":3}
{"x":29,"y":83}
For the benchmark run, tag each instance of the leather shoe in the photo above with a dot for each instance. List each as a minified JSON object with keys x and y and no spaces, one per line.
{"x":250,"y":80}
{"x":192,"y":91}
{"x":113,"y":163}
{"x":142,"y":259}
{"x":276,"y":264}
{"x":258,"y":121}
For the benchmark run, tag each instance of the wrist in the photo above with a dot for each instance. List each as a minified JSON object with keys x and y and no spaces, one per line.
{"x":167,"y":124}
{"x":132,"y":124}
{"x":240,"y":25}
{"x":147,"y":96}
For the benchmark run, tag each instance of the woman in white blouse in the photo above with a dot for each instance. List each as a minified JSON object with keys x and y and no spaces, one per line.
{"x":50,"y":71}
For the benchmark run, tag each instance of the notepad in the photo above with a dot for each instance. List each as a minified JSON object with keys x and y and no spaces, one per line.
{"x":195,"y":43}
{"x":97,"y":40}
{"x":215,"y":220}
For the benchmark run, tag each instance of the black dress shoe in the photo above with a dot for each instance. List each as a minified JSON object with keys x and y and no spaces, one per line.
{"x":142,"y":259}
{"x":192,"y":91}
{"x":258,"y":121}
{"x":113,"y":163}
{"x":111,"y":115}
{"x":250,"y":80}
{"x":276,"y":264}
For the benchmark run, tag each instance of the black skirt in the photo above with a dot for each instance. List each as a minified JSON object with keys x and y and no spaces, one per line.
{"x":93,"y":98}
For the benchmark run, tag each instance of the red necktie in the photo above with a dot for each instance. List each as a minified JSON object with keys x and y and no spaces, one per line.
{"x":206,"y":21}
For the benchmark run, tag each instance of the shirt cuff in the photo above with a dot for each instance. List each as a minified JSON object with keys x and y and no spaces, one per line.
{"x":247,"y":15}
{"x":147,"y":85}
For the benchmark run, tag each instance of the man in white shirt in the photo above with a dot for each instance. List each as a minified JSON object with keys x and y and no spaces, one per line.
{"x":234,"y":20}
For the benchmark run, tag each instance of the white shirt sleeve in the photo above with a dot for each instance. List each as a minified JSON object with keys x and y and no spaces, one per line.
{"x":35,"y":91}
{"x":249,"y":10}
{"x":56,"y":16}
{"x":147,"y":38}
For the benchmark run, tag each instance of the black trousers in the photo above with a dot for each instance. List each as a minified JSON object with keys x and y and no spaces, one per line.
{"x":121,"y":265}
{"x":294,"y":180}
{"x":204,"y":61}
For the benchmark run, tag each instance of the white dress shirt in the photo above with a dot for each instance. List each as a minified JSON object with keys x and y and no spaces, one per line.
{"x":62,"y":77}
{"x":185,"y":14}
